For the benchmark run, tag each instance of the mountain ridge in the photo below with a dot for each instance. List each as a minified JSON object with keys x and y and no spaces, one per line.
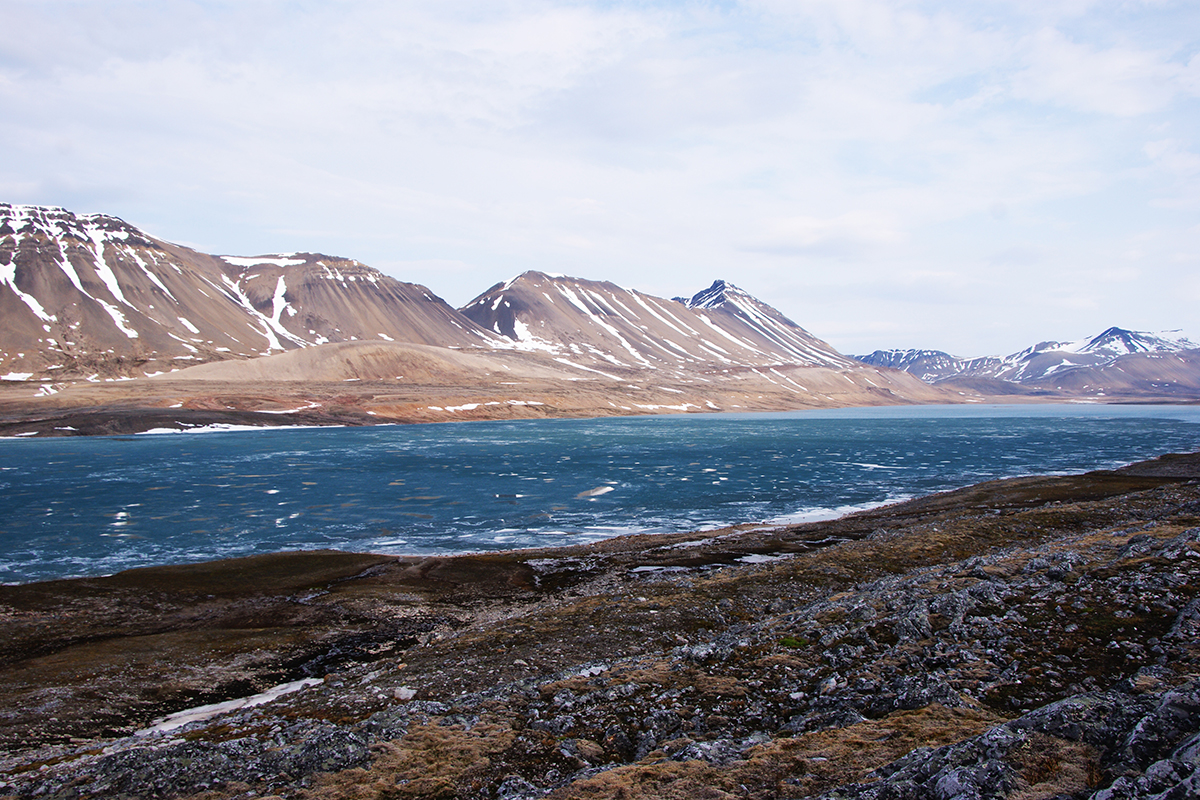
{"x":1116,"y":362}
{"x":94,"y":295}
{"x":606,"y":325}
{"x":92,"y":302}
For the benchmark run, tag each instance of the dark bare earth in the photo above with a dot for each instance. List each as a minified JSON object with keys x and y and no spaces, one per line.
{"x":926,"y":649}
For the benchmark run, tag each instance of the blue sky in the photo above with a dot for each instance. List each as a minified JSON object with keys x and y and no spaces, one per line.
{"x":972,"y":177}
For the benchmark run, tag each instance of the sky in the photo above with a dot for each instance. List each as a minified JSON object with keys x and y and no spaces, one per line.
{"x":974,"y":177}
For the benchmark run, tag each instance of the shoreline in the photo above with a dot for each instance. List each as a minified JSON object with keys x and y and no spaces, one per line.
{"x":101,"y":423}
{"x":811,"y":517}
{"x":457,"y":676}
{"x":80,"y":407}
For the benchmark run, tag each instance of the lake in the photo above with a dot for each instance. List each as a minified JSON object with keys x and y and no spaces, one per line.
{"x":96,"y":505}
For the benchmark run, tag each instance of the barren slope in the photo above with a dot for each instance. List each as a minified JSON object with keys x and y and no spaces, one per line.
{"x":91,"y":295}
{"x":365,"y":383}
{"x":301,"y":338}
{"x":603,"y":325}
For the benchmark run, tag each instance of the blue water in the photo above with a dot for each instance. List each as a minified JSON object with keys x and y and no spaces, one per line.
{"x":87,"y":506}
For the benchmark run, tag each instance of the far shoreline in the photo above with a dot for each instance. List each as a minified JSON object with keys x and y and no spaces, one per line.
{"x":141,"y":421}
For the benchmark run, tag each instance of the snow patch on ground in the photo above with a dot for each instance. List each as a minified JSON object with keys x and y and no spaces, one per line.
{"x":526,"y":340}
{"x":587,"y":369}
{"x":291,"y":410}
{"x":201,"y":713}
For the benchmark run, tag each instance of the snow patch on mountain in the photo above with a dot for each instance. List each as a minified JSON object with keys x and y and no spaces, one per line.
{"x":283,"y":260}
{"x":1039,"y":362}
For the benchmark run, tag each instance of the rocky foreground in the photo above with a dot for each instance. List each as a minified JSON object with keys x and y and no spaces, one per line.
{"x":1028,"y":638}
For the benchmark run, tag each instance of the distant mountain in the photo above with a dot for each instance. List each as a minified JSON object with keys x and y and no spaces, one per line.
{"x":1117,"y":362}
{"x":605,"y":326}
{"x":930,"y":366}
{"x":91,"y":294}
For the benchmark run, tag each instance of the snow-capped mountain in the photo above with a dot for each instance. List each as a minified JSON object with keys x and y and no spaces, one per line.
{"x":602,"y":325}
{"x":930,"y":366}
{"x":1116,"y":361}
{"x":1120,"y":342}
{"x":91,"y":294}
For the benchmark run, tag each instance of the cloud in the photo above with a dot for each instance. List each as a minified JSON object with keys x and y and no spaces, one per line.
{"x":1173,"y":155}
{"x":1118,"y":80}
{"x":848,"y":235}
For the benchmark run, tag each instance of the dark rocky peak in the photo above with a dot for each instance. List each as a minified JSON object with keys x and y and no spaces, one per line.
{"x":1126,"y":341}
{"x":715,"y":296}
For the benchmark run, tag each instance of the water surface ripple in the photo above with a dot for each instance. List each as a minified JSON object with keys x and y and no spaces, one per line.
{"x":86,"y":506}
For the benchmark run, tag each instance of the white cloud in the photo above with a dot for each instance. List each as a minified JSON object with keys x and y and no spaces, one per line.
{"x":1116,"y":80}
{"x":1173,"y":155}
{"x":847,"y":235}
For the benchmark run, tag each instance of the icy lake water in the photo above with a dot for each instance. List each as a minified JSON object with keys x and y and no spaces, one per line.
{"x":88,"y":506}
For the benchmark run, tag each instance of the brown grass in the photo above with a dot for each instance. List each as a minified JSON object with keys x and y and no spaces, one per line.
{"x":431,"y":761}
{"x":1051,"y":767}
{"x":786,"y":767}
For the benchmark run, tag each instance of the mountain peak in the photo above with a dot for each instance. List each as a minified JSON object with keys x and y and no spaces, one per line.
{"x":56,"y":223}
{"x":601,"y":324}
{"x":1119,"y":341}
{"x":92,"y":295}
{"x":715,"y":296}
{"x":1113,"y":363}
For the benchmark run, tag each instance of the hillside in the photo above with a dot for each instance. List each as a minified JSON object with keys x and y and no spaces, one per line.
{"x":602,"y":324}
{"x":92,"y":296}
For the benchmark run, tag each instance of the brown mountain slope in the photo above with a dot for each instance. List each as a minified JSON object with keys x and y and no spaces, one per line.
{"x":318,"y":299}
{"x":603,"y":325}
{"x":363,"y":383}
{"x":402,"y":362}
{"x":92,"y":295}
{"x":1137,"y":375}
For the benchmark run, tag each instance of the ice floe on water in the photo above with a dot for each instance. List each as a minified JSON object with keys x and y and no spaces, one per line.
{"x":599,"y":490}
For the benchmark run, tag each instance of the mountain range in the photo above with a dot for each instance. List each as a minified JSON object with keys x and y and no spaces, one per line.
{"x":1116,"y":363}
{"x":91,"y":302}
{"x":116,"y":330}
